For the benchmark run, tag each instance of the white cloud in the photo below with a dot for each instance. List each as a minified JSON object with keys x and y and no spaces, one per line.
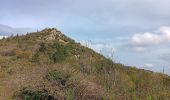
{"x":98,"y":46}
{"x":141,"y":42}
{"x":103,"y":48}
{"x":1,"y":37}
{"x":146,"y":39}
{"x":140,"y":49}
{"x":165,"y":31}
{"x":148,"y":65}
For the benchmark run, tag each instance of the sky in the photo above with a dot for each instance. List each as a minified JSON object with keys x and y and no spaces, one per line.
{"x":132,"y":32}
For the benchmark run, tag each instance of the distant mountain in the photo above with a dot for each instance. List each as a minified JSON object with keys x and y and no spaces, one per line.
{"x":47,"y":65}
{"x":6,"y":30}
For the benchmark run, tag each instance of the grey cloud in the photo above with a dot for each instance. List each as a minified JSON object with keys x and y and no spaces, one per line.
{"x":107,"y":14}
{"x":165,"y":57}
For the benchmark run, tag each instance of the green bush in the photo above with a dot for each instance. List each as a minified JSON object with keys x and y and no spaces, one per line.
{"x":28,"y":94}
{"x":54,"y":52}
{"x":58,"y":76}
{"x":59,"y":53}
{"x":149,"y":98}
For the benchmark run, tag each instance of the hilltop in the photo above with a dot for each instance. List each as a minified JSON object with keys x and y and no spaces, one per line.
{"x":48,"y":65}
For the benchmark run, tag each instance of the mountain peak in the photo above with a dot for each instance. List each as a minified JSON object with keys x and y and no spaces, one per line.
{"x":50,"y":34}
{"x":46,"y":30}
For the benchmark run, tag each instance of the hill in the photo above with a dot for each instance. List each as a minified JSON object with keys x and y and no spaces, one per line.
{"x":48,"y":65}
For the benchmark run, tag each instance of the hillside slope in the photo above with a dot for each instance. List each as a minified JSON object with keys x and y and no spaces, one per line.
{"x":48,"y":65}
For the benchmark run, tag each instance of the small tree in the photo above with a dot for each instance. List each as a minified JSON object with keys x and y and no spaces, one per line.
{"x":59,"y":54}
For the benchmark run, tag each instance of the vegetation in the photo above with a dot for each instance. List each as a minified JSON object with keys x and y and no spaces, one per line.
{"x":56,"y":52}
{"x":58,"y":76}
{"x":54,"y":67}
{"x":27,"y":94}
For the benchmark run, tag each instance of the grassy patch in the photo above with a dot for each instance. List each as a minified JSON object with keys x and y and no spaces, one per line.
{"x":69,"y":94}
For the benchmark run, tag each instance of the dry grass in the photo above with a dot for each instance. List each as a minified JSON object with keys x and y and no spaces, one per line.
{"x":91,"y":76}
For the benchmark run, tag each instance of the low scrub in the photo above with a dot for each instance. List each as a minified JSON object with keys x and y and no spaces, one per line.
{"x":58,"y":76}
{"x":29,"y":94}
{"x":54,"y":52}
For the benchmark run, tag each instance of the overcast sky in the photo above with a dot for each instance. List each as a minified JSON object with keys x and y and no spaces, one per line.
{"x":138,"y":31}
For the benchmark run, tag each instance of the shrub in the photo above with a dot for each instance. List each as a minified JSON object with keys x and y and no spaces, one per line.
{"x":42,"y":47}
{"x":58,"y":76}
{"x":69,"y":94}
{"x":166,"y":81}
{"x":59,"y":53}
{"x":55,"y":52}
{"x":36,"y":57}
{"x":28,"y":94}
